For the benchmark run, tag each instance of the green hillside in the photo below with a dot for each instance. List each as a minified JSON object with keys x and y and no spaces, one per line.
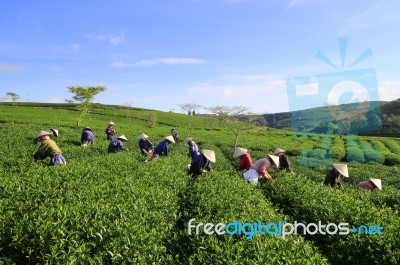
{"x":116,"y":209}
{"x":370,"y":118}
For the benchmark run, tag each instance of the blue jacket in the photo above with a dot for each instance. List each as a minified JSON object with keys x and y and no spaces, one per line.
{"x":146,"y":145}
{"x":162,"y":148}
{"x":87,"y":136}
{"x":193,"y":150}
{"x":199,"y":165}
{"x":115,"y":146}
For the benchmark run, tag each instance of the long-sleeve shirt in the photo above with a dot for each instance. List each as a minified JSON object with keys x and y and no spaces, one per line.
{"x":193,"y":150}
{"x":87,"y":136}
{"x":46,"y":148}
{"x":284,"y":163}
{"x":262,"y":166}
{"x":162,"y":148}
{"x":146,"y":145}
{"x":174,"y":134}
{"x":115,"y":146}
{"x":245,"y":162}
{"x":332,"y":178}
{"x":199,"y":165}
{"x":366,"y":185}
{"x":110,"y":131}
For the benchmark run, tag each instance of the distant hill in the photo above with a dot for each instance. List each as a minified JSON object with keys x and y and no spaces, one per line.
{"x":366,"y":118}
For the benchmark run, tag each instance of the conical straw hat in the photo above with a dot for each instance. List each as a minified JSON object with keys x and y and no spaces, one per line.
{"x":278,"y":150}
{"x":142,"y":136}
{"x":342,"y":169}
{"x":55,"y":131}
{"x":209,"y":154}
{"x":122,"y":137}
{"x":377,"y":183}
{"x":239,"y":152}
{"x":41,"y":133}
{"x":275,"y":159}
{"x":111,"y":123}
{"x":170,"y":138}
{"x":188,"y":139}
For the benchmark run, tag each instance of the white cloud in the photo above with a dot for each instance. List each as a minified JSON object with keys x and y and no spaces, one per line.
{"x":4,"y":67}
{"x":112,"y":39}
{"x":389,"y":90}
{"x":267,"y":95}
{"x":168,"y":61}
{"x":75,"y":47}
{"x":366,"y":17}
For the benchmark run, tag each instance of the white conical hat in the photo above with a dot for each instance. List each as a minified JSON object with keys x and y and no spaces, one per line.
{"x":170,"y":138}
{"x":41,"y":133}
{"x":111,"y":123}
{"x":275,"y":159}
{"x":209,"y":154}
{"x":377,"y":183}
{"x":342,"y":169}
{"x":55,"y":131}
{"x":188,"y":139}
{"x":278,"y":150}
{"x":239,"y":151}
{"x":122,"y":137}
{"x":142,"y":136}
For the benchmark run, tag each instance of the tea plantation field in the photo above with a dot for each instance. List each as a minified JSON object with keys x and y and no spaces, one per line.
{"x":116,"y":209}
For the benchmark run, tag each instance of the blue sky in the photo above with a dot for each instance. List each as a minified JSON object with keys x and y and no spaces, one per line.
{"x":158,"y":54}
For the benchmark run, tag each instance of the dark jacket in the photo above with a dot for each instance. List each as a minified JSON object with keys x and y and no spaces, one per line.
{"x":115,"y":146}
{"x":199,"y":165}
{"x":146,"y":145}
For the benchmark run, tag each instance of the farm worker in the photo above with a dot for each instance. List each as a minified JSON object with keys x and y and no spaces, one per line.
{"x":162,"y":148}
{"x":259,"y":170}
{"x":202,"y":163}
{"x":245,"y":161}
{"x":145,"y":145}
{"x":87,"y":137}
{"x":283,"y":160}
{"x":117,"y":145}
{"x":193,"y":148}
{"x":48,"y":148}
{"x":332,"y":178}
{"x":174,"y":134}
{"x":110,"y":131}
{"x":54,"y":132}
{"x":370,"y":184}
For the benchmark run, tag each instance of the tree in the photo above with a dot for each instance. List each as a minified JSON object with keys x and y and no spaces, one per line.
{"x":189,"y":108}
{"x":84,"y":96}
{"x":14,"y":97}
{"x":236,"y":118}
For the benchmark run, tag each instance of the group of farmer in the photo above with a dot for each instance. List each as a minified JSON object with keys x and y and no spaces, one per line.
{"x":200,"y":160}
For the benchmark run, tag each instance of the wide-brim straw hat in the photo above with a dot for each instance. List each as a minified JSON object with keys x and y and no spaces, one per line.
{"x":88,"y":128}
{"x":170,"y":138}
{"x":55,"y":132}
{"x":342,"y":169}
{"x":122,"y":137}
{"x":142,"y":136}
{"x":188,"y":139}
{"x":377,"y":183}
{"x":239,"y":152}
{"x":111,"y":123}
{"x":209,"y":154}
{"x":274,"y":159}
{"x":42,"y":133}
{"x":278,"y":150}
